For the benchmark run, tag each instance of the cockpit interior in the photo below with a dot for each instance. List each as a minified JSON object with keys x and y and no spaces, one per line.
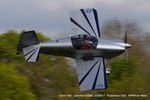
{"x":84,"y":42}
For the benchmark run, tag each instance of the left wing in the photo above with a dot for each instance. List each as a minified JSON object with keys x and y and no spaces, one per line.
{"x":91,"y":74}
{"x":85,"y":21}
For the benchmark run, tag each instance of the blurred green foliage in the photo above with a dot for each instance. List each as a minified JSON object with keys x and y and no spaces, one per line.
{"x":14,"y":86}
{"x":125,"y":78}
{"x":44,"y":80}
{"x":121,"y":68}
{"x":8,"y":43}
{"x":52,"y":76}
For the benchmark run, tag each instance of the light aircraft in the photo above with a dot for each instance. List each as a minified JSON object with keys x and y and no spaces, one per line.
{"x":86,"y":46}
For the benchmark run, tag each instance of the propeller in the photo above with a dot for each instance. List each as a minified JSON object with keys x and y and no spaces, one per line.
{"x":126,"y":49}
{"x":125,"y":37}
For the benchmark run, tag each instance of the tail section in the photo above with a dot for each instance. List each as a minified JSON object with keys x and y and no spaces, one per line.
{"x":29,"y":45}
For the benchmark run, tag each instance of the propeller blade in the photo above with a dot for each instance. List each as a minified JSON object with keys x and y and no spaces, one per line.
{"x":126,"y":55}
{"x":126,"y":49}
{"x":125,"y":37}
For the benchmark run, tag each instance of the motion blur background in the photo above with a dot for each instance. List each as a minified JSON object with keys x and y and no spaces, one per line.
{"x":52,"y":76}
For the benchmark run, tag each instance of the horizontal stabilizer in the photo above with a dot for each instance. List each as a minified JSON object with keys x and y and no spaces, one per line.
{"x":31,"y":53}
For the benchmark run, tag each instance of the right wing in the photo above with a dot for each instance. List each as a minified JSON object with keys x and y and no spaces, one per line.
{"x":91,"y":74}
{"x":85,"y":21}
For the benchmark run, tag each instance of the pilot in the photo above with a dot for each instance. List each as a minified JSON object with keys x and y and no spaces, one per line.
{"x":87,"y":44}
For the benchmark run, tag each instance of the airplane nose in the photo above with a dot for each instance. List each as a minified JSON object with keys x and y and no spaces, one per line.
{"x":128,"y":45}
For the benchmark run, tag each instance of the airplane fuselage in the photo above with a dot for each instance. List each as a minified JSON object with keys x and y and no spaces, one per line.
{"x":103,"y":47}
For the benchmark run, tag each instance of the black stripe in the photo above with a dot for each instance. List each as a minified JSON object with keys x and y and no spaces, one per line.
{"x":96,"y":20}
{"x":95,"y":81}
{"x":37,"y":56}
{"x":31,"y":55}
{"x":105,"y":77}
{"x":88,"y":20}
{"x":87,"y":73}
{"x":29,"y":52}
{"x":73,"y":21}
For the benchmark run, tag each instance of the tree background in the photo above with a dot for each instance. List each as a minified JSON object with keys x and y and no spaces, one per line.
{"x":52,"y":76}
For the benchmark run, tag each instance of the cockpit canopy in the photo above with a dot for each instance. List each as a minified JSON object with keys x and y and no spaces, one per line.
{"x":84,"y":42}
